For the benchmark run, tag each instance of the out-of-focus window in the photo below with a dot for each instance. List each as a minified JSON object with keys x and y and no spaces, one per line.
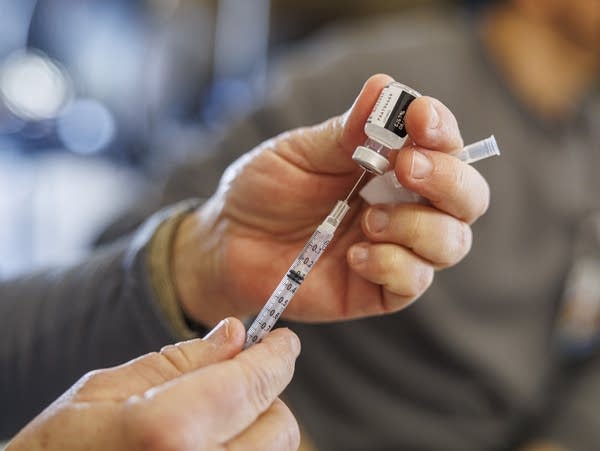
{"x":96,"y":95}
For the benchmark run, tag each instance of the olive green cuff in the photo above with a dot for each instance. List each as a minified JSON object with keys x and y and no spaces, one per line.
{"x":159,"y":258}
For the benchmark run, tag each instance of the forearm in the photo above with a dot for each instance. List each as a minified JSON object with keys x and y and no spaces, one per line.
{"x":59,"y":324}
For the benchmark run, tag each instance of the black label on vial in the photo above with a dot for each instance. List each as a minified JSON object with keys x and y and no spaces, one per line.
{"x":395,"y":122}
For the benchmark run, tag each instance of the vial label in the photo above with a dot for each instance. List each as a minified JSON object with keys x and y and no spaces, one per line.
{"x":390,"y":109}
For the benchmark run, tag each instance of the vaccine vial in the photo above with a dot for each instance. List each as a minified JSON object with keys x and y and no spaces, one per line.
{"x":385,"y":127}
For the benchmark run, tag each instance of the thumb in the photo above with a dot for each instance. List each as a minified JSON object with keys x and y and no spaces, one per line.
{"x":150,"y":370}
{"x":222,"y":343}
{"x":328,"y":147}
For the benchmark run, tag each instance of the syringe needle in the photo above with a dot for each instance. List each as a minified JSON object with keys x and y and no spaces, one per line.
{"x":291,"y":281}
{"x":355,"y":186}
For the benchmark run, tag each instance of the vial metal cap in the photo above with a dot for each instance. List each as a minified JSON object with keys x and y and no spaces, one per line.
{"x":371,"y":160}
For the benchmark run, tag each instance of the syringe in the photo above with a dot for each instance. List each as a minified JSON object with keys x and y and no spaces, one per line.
{"x":303,"y":264}
{"x":321,"y":238}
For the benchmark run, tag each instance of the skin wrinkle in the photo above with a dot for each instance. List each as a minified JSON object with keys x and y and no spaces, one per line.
{"x":290,"y":437}
{"x":422,"y":276}
{"x":324,"y":179}
{"x":288,"y":151}
{"x":412,"y":232}
{"x":345,"y":305}
{"x":331,"y":127}
{"x":392,"y":302}
{"x":432,"y":137}
{"x":414,"y":229}
{"x":161,"y":370}
{"x":260,"y":380}
{"x":83,"y":397}
{"x":343,"y":311}
{"x":460,"y":185}
{"x":239,"y":213}
{"x":176,"y":356}
{"x":450,"y":252}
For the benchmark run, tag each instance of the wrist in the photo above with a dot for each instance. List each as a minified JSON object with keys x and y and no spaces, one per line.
{"x":158,"y":260}
{"x":194,"y":271}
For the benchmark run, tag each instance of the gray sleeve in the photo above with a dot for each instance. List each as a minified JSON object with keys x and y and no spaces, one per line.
{"x":573,"y":421}
{"x":58,"y":324}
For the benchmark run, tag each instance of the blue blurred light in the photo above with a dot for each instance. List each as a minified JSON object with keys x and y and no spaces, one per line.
{"x":86,"y":126}
{"x":33,"y":86}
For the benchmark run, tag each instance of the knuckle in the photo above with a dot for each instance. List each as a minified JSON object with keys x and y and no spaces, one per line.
{"x":449,"y":176}
{"x":93,"y":379}
{"x":457,"y":243}
{"x":93,"y":384}
{"x":259,"y":381}
{"x":153,"y":369}
{"x":455,"y":140}
{"x":420,"y":278}
{"x":292,"y":434}
{"x":408,"y":278}
{"x":393,"y":302}
{"x":177,"y":357}
{"x":423,"y":277}
{"x":414,"y":229}
{"x":288,"y":434}
{"x":459,"y":180}
{"x":385,"y":262}
{"x":152,"y":359}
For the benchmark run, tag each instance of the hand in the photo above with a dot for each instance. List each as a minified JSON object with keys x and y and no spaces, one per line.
{"x":235,"y":250}
{"x":195,"y":395}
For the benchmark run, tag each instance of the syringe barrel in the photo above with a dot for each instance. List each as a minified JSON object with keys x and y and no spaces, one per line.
{"x":291,"y":281}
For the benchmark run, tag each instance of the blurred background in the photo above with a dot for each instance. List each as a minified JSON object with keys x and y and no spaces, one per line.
{"x":98,"y":96}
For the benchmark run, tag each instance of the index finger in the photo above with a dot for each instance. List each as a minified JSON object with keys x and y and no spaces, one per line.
{"x":221,"y":400}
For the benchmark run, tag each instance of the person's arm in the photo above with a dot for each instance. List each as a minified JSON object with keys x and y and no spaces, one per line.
{"x":58,"y":324}
{"x":195,"y":395}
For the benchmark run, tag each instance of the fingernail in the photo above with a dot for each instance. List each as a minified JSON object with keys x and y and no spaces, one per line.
{"x":295,"y":343}
{"x":219,"y":334}
{"x":434,"y":117}
{"x":421,"y":166}
{"x":377,"y":220}
{"x":359,"y":255}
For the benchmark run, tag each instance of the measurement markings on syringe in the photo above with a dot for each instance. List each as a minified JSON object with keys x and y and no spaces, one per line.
{"x":290,"y":283}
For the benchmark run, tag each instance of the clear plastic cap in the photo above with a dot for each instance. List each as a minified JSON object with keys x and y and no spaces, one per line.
{"x":479,"y":150}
